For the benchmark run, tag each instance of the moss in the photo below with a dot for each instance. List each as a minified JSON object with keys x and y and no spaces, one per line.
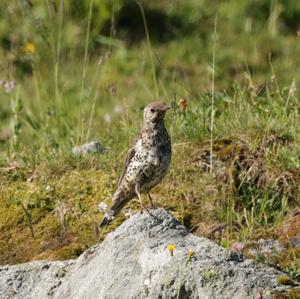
{"x":69,"y":252}
{"x":280,"y":295}
{"x":289,"y":255}
{"x":10,"y":217}
{"x":285,"y":280}
{"x":210,"y":274}
{"x":294,"y":293}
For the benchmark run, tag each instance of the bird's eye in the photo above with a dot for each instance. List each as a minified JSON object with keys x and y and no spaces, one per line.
{"x":152,"y":110}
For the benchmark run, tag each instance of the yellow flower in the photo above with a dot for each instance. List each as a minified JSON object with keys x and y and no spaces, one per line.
{"x":191,"y":253}
{"x":171,"y":248}
{"x":29,"y":48}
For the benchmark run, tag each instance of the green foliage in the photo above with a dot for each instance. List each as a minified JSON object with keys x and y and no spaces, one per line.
{"x":16,"y":106}
{"x":294,"y":272}
{"x":210,"y":274}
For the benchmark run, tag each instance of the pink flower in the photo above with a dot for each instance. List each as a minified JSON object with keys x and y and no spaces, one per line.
{"x":238,"y":246}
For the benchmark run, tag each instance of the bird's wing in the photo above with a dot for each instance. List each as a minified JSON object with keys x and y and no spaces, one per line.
{"x":130,"y":155}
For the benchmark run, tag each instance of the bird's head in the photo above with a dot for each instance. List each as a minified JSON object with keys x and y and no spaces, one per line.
{"x":154,"y":112}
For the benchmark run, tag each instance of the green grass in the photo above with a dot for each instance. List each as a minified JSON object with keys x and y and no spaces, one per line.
{"x":71,"y":84}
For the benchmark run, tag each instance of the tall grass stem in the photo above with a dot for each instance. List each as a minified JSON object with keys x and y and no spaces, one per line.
{"x":140,"y":4}
{"x":57,"y":54}
{"x":213,"y":95}
{"x":83,"y":76}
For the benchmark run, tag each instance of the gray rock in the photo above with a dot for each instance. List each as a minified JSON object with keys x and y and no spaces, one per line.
{"x":271,"y":246}
{"x":268,"y":246}
{"x":134,"y":262}
{"x":295,"y":242}
{"x":37,"y":279}
{"x":92,"y":147}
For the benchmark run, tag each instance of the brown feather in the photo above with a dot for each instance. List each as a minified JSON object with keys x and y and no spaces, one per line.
{"x":153,"y":138}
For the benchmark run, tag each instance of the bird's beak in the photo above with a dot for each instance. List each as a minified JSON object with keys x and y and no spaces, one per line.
{"x":166,"y":107}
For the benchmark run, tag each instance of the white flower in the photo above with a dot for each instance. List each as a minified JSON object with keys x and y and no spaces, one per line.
{"x":107,"y":118}
{"x":118,"y":109}
{"x":110,"y":216}
{"x":9,"y":86}
{"x":102,"y":206}
{"x":49,"y":188}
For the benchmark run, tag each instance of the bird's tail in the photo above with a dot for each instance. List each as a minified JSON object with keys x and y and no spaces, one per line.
{"x":120,"y":199}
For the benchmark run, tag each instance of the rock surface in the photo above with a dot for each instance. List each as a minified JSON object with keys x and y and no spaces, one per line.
{"x":37,"y":279}
{"x":134,"y":262}
{"x":87,"y":148}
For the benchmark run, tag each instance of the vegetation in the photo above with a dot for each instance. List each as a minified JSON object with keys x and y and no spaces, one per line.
{"x":74,"y":72}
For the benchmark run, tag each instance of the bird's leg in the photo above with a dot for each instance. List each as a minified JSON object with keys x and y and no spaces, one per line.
{"x":138,"y":193}
{"x":150,"y":199}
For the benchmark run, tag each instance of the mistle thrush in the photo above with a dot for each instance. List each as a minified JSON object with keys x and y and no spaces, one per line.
{"x":147,"y":161}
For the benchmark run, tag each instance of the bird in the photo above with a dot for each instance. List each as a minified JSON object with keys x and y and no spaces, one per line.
{"x":147,"y":161}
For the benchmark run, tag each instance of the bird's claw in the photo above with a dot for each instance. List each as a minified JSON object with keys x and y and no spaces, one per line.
{"x":145,"y":209}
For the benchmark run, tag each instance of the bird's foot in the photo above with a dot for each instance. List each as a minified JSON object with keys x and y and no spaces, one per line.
{"x":142,"y":209}
{"x":145,"y":209}
{"x":152,"y":206}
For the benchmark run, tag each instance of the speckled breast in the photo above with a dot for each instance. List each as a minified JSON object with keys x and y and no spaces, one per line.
{"x":159,"y":158}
